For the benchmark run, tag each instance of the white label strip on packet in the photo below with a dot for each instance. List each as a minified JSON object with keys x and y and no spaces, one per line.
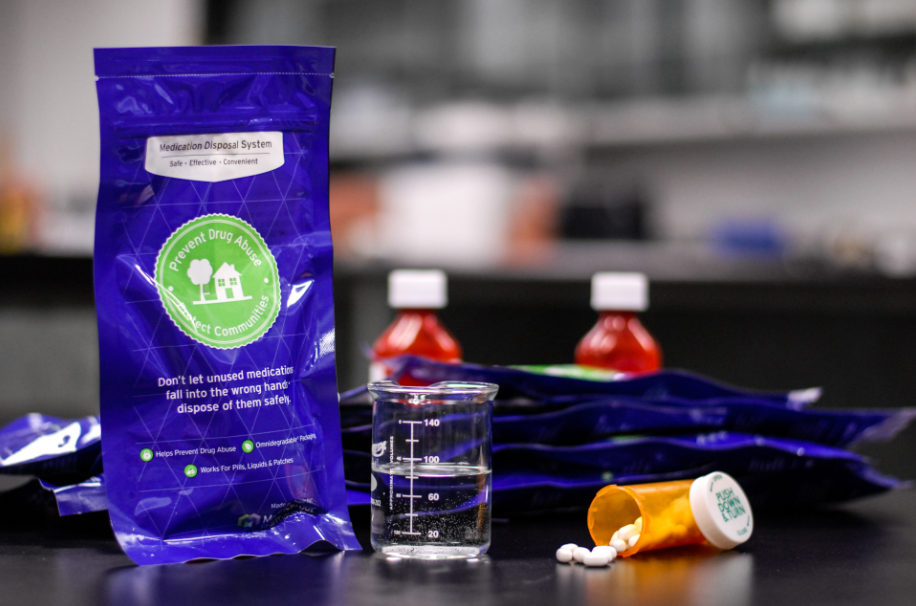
{"x":214,"y":157}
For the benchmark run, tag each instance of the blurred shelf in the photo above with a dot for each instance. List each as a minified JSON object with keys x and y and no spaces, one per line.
{"x":730,"y":119}
{"x":893,"y":40}
{"x":515,"y":130}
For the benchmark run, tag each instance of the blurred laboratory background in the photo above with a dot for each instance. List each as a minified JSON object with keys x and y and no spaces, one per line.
{"x":754,"y":157}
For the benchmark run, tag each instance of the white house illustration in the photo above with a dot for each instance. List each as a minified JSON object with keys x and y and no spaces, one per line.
{"x":228,"y":284}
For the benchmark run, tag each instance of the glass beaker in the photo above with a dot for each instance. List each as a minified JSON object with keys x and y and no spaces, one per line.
{"x":431,"y":472}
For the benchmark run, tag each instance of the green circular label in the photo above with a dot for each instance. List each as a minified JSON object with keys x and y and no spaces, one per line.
{"x":190,"y":470}
{"x":146,"y":454}
{"x":247,"y":445}
{"x":218,"y":281}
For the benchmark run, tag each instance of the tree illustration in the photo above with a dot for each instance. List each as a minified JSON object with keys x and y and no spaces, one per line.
{"x":200,"y":272}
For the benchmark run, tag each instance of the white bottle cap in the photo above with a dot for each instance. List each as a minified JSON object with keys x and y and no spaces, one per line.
{"x":721,"y":510}
{"x":620,"y":291}
{"x":417,"y":289}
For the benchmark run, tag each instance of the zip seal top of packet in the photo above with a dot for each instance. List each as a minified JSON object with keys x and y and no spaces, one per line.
{"x":516,"y":383}
{"x":213,"y":267}
{"x":57,"y":450}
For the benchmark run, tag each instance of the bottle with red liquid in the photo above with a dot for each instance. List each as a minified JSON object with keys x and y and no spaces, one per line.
{"x":417,"y":329}
{"x":619,"y":341}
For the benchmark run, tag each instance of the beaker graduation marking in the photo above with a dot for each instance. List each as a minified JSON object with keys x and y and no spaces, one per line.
{"x":411,"y":477}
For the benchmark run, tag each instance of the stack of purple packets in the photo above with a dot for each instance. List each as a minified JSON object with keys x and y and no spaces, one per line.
{"x":557,"y":440}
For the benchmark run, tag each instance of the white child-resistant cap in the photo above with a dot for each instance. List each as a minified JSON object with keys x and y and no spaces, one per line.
{"x":624,"y":291}
{"x":721,"y":510}
{"x":415,"y":288}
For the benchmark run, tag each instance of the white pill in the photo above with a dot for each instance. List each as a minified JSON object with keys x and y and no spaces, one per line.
{"x":633,"y":540}
{"x":595,"y":559}
{"x":614,"y":537}
{"x":626,"y":532}
{"x":579,"y":554}
{"x":638,"y":524}
{"x":569,"y":546}
{"x":619,"y":546}
{"x":564,"y":555}
{"x":607,"y":550}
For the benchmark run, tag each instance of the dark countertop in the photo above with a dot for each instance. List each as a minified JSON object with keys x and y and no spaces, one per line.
{"x":862,"y":552}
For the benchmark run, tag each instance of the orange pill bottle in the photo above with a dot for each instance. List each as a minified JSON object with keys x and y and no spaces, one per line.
{"x":619,"y":341}
{"x":417,"y":329}
{"x":711,"y":509}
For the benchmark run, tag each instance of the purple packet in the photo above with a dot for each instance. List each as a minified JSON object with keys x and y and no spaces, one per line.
{"x":213,"y":281}
{"x":74,"y":499}
{"x":39,"y":499}
{"x":656,"y":455}
{"x":840,"y":428}
{"x":590,"y":421}
{"x":777,"y":472}
{"x":516,"y":383}
{"x":821,"y":482}
{"x":57,"y":450}
{"x":640,"y":456}
{"x":566,"y":423}
{"x":577,"y":424}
